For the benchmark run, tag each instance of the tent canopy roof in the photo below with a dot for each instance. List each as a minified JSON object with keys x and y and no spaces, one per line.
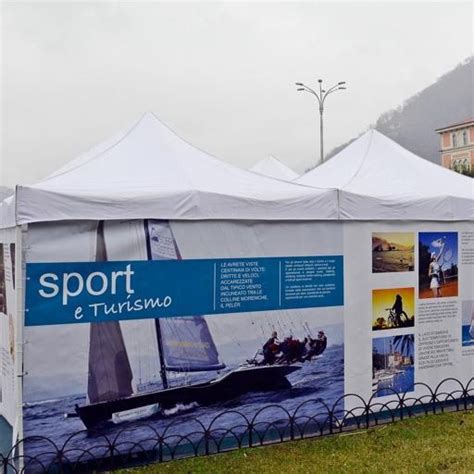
{"x":150,"y":172}
{"x":379,"y":179}
{"x":274,"y":168}
{"x":5,"y":192}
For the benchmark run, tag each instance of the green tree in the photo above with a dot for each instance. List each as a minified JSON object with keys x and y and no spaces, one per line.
{"x":405,"y":344}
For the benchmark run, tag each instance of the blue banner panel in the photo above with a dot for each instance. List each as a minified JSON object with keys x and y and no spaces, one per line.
{"x":84,"y":292}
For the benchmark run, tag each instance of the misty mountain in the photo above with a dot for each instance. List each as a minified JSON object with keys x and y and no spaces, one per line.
{"x":412,"y":125}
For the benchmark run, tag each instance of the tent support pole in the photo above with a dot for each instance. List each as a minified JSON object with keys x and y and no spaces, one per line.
{"x":20,"y":280}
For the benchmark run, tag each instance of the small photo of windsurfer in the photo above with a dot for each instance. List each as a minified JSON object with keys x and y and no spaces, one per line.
{"x":393,"y":252}
{"x":393,"y":369}
{"x":467,"y":309}
{"x":438,"y":264}
{"x":393,"y":308}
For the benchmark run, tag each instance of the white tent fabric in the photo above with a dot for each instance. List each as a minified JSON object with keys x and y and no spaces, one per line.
{"x":7,"y":207}
{"x":7,"y":213}
{"x":150,"y":172}
{"x":379,"y":179}
{"x":274,"y":168}
{"x":5,"y":192}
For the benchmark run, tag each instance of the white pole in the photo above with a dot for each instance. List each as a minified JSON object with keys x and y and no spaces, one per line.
{"x":19,"y":337}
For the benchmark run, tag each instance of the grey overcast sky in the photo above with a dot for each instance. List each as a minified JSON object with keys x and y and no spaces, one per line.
{"x":221,"y":74}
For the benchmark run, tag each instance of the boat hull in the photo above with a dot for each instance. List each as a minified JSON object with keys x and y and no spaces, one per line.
{"x":231,"y":385}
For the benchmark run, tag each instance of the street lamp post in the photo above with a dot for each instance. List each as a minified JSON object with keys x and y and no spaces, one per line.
{"x":321,"y":98}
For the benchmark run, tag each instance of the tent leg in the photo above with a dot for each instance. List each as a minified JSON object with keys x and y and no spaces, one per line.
{"x":20,"y":280}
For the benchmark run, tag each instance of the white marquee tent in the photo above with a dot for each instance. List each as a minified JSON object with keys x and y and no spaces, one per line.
{"x":274,"y":168}
{"x":148,"y":171}
{"x":379,"y":179}
{"x":145,"y":172}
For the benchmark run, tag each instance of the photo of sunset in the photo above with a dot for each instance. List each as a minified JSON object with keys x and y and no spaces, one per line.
{"x":393,"y":308}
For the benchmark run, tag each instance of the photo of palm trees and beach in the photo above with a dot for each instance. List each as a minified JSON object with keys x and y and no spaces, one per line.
{"x":393,"y":369}
{"x":393,"y":252}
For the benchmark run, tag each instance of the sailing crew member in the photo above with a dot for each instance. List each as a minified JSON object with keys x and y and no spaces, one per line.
{"x":270,"y":349}
{"x":302,"y":349}
{"x":292,"y":350}
{"x":317,"y":346}
{"x":286,"y":350}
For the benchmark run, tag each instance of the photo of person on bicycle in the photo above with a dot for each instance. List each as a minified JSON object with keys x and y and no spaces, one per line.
{"x":393,"y":308}
{"x":397,"y":309}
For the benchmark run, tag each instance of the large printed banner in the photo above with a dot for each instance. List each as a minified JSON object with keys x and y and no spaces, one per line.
{"x":174,"y":321}
{"x":65,"y":293}
{"x":163,"y":321}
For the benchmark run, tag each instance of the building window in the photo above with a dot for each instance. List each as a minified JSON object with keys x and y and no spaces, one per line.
{"x":461,"y":165}
{"x":464,"y":137}
{"x":454,"y":139}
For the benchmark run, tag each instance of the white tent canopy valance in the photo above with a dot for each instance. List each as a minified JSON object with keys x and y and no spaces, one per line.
{"x":274,"y":168}
{"x":150,"y":172}
{"x":379,"y":179}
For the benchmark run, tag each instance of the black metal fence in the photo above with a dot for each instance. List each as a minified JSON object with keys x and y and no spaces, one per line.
{"x":131,"y":446}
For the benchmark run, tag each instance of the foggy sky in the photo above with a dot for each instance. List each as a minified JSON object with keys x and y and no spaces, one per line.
{"x":220,"y":74}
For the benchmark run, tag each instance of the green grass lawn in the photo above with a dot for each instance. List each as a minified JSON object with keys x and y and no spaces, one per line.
{"x":436,"y":443}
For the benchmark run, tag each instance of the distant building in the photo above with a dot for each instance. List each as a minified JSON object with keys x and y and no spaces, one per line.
{"x":457,"y":146}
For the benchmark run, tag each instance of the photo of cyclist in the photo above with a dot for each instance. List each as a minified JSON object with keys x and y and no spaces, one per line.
{"x":393,"y":308}
{"x":397,"y":308}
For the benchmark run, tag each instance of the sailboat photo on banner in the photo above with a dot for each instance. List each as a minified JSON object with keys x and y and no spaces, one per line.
{"x":185,"y":345}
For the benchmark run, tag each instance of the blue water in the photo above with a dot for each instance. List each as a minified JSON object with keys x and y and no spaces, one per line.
{"x":467,"y":340}
{"x":318,"y":381}
{"x":403,"y":382}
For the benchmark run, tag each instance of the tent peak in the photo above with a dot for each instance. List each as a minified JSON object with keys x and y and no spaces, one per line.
{"x":377,"y":178}
{"x":149,"y":171}
{"x":274,"y":168}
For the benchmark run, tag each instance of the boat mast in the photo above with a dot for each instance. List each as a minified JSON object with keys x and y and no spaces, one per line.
{"x":164,"y":378}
